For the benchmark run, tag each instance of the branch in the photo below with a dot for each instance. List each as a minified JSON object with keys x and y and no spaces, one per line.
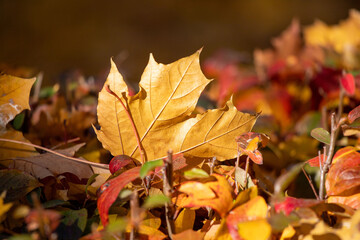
{"x":168,"y":188}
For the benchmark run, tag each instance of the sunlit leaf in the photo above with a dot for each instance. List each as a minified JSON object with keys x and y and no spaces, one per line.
{"x":14,"y":97}
{"x":162,"y":112}
{"x":240,"y":220}
{"x":189,"y":234}
{"x":185,"y":220}
{"x":214,"y":194}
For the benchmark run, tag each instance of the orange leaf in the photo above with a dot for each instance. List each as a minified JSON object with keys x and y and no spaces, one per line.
{"x":189,"y":234}
{"x":214,"y":194}
{"x":255,"y":209}
{"x":344,"y":174}
{"x":351,"y":201}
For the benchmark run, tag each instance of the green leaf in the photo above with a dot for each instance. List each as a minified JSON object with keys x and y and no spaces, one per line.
{"x":117,"y":226}
{"x":19,"y":120}
{"x":90,"y":181}
{"x":195,"y":173}
{"x":55,"y":203}
{"x":73,"y":224}
{"x":321,"y":135}
{"x":149,"y":166}
{"x":21,"y":237}
{"x":157,"y":200}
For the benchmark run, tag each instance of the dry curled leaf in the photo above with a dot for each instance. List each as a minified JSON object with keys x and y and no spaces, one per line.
{"x":162,"y":112}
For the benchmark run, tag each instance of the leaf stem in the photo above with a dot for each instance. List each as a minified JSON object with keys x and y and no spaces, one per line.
{"x":107,"y":87}
{"x":99,"y":165}
{"x":236,"y":166}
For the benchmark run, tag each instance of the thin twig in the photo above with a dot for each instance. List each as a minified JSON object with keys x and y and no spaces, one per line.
{"x":107,"y":87}
{"x":330,"y":153}
{"x":167,"y":189}
{"x":99,"y":165}
{"x":311,"y":184}
{"x":135,"y":215}
{"x":246,"y":171}
{"x":64,"y":143}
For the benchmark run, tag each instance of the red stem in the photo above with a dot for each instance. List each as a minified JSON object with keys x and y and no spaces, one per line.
{"x":107,"y":87}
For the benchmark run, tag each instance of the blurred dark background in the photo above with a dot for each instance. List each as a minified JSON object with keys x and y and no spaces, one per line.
{"x":54,"y":36}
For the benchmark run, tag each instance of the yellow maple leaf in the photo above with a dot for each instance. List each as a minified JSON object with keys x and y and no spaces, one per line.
{"x":162,"y":113}
{"x":14,"y":97}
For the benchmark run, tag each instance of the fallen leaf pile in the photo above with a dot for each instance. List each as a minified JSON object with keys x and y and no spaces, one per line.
{"x":243,"y":156}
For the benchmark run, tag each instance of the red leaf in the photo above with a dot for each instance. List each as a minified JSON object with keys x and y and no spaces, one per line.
{"x":119,"y":162}
{"x":290,"y":203}
{"x":314,"y":162}
{"x":110,"y":190}
{"x":354,"y":114}
{"x":348,"y":83}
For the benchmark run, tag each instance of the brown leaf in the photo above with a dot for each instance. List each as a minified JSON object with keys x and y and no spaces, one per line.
{"x":162,"y":113}
{"x":16,"y":183}
{"x":354,"y":114}
{"x":10,"y":150}
{"x":48,"y":164}
{"x":14,"y":97}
